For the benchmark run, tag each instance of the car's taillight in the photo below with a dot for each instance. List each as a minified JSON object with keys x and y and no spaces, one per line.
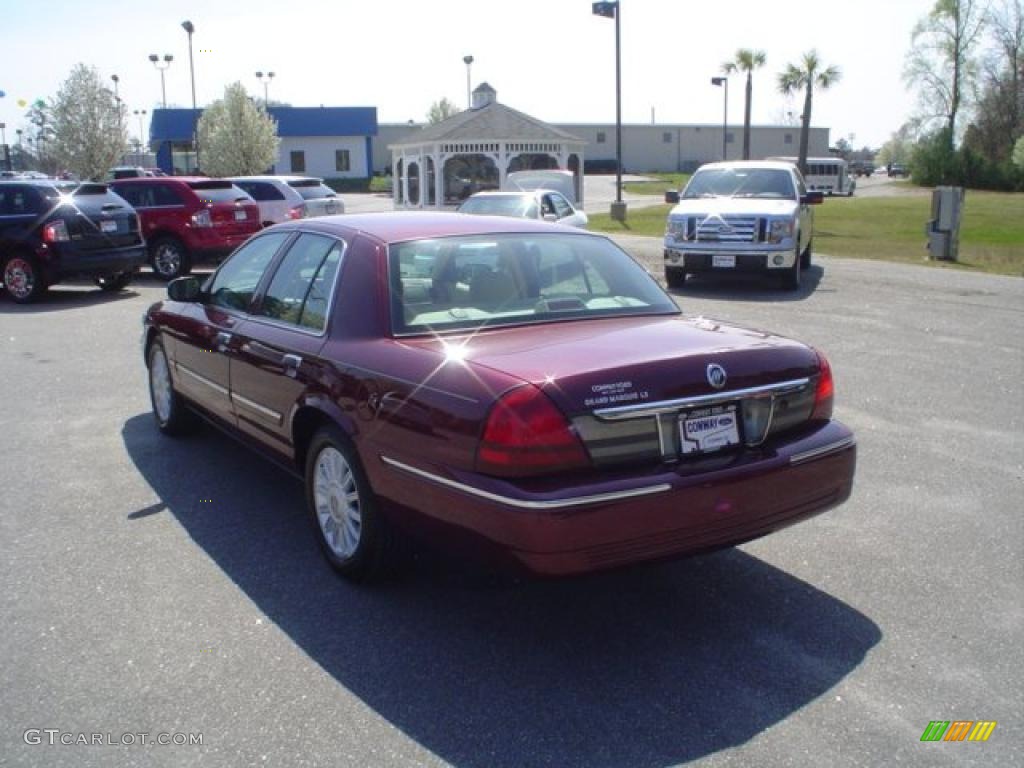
{"x":202,"y":218}
{"x":56,"y":232}
{"x":526,"y":434}
{"x":298,"y":212}
{"x":824,"y":391}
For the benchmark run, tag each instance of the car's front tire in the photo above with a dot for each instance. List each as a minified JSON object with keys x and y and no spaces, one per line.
{"x":172,"y":417}
{"x":169,"y":258}
{"x":792,"y":279}
{"x":805,"y":257}
{"x":352,"y":534}
{"x":675,"y":278}
{"x":22,"y":278}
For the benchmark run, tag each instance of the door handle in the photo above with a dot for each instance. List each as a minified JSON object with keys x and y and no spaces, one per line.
{"x":291,"y":364}
{"x":223,"y":339}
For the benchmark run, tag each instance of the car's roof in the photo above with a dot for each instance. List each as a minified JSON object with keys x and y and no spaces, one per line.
{"x":775,"y":165}
{"x":511,"y":193}
{"x":33,"y":182}
{"x":399,"y":226}
{"x":284,"y":179}
{"x":165,"y":179}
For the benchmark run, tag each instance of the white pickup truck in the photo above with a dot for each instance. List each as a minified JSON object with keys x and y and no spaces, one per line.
{"x":749,"y":216}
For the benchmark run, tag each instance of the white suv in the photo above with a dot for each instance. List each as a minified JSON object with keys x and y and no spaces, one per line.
{"x":747,"y":216}
{"x":282,"y":198}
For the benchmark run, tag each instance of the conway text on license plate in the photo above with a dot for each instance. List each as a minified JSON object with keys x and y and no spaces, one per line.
{"x":708,"y":429}
{"x":723,"y":260}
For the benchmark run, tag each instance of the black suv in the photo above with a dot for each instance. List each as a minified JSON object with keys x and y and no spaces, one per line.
{"x":50,"y":230}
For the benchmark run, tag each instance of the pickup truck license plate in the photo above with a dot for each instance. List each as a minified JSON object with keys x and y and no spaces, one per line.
{"x":723,"y":260}
{"x":240,"y":216}
{"x":708,"y":429}
{"x":108,"y":225}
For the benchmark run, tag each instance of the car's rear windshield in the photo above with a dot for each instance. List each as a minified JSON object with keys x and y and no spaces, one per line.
{"x":458,"y":283}
{"x":741,"y":182}
{"x":92,"y":191}
{"x":501,"y":205}
{"x":218,"y":191}
{"x":311,"y":189}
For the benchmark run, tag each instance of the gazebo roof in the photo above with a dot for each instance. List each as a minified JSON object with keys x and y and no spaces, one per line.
{"x":492,"y":122}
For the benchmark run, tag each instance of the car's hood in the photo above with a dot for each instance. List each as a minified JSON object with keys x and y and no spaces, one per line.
{"x":735,"y":205}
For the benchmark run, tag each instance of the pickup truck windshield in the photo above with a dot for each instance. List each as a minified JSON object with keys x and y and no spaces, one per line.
{"x":741,"y":182}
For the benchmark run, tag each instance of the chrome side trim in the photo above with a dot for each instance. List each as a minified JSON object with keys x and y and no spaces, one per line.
{"x":547,"y":504}
{"x":815,"y":453}
{"x":668,"y":406}
{"x":252,"y":405}
{"x":202,"y":379}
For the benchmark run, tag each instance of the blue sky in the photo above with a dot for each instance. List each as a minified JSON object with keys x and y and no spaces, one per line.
{"x":550,"y":58}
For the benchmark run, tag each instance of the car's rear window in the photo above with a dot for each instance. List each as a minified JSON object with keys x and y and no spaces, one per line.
{"x":741,"y":182}
{"x":521,"y":206}
{"x":312,"y":189}
{"x":457,"y":283}
{"x":218,"y":191}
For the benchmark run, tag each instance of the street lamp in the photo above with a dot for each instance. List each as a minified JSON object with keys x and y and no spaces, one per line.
{"x":141,"y":114}
{"x":725,"y":112}
{"x":189,"y":27}
{"x":468,"y":61}
{"x":3,"y":147}
{"x":162,"y":66}
{"x":613,"y":10}
{"x":270,"y":76}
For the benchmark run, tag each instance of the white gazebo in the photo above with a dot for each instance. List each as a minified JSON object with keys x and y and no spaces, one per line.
{"x":477,"y":149}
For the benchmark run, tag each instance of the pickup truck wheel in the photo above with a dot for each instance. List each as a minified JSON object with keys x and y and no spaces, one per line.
{"x":116,"y":282}
{"x":353,"y":536}
{"x":805,"y":257}
{"x":675,"y":278}
{"x":791,"y":279}
{"x":22,"y":278}
{"x":172,"y":417}
{"x":169,"y":258}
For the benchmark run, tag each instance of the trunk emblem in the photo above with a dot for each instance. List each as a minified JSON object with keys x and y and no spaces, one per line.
{"x":716,"y":375}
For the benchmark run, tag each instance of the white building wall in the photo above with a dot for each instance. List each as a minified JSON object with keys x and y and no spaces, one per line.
{"x":320,"y":158}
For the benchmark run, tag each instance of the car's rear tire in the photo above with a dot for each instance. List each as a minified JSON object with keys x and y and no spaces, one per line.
{"x":169,"y":258}
{"x":805,"y":257}
{"x":343,"y":510}
{"x":172,"y":416}
{"x":675,"y":278}
{"x":22,"y":278}
{"x":117,"y":282}
{"x":792,"y":279}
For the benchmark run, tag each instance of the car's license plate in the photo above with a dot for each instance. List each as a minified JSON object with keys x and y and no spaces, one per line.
{"x":708,"y":429}
{"x":332,"y":207}
{"x":108,"y":226}
{"x":723,"y":260}
{"x":240,"y":216}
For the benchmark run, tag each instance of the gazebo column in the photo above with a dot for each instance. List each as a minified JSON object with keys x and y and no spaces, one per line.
{"x":394,"y":180}
{"x":405,"y":180}
{"x":438,"y":160}
{"x":502,"y":163}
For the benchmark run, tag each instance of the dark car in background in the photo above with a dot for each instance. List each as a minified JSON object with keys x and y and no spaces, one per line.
{"x":187,"y":219}
{"x":497,"y":386}
{"x":51,"y":230}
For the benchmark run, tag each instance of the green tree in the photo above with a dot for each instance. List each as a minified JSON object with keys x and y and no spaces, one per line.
{"x":441,"y":110}
{"x":804,"y":76}
{"x":1018,"y":154}
{"x":941,"y":63}
{"x":88,"y":128}
{"x":236,"y":135}
{"x":746,"y":60}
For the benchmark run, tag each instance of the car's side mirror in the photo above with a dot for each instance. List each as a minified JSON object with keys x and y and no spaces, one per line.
{"x":672,"y":196}
{"x":184,"y":289}
{"x":812,"y":198}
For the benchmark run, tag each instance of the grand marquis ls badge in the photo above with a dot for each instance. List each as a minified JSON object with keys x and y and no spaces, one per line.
{"x":716,"y":375}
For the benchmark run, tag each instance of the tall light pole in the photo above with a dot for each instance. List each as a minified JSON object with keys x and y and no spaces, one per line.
{"x":468,"y":61}
{"x":141,"y":114}
{"x":3,"y":147}
{"x":266,"y":83}
{"x":725,"y":112}
{"x":189,"y":27}
{"x":117,"y":95}
{"x":613,"y":10}
{"x":162,"y":66}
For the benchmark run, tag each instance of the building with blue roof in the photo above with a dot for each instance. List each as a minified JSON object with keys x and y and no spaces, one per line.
{"x":330,"y":142}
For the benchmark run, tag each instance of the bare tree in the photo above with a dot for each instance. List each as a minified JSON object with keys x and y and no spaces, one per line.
{"x":1007,"y":25}
{"x":237,"y":135}
{"x":746,"y":60}
{"x":89,"y":133}
{"x":805,"y":76}
{"x":942,"y":60}
{"x":441,"y":110}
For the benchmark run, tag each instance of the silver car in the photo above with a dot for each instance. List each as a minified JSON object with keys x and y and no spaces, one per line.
{"x":284,"y":198}
{"x":542,"y":204}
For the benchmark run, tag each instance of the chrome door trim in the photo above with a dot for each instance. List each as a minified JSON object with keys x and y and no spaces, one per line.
{"x":201,"y":379}
{"x":640,"y":410}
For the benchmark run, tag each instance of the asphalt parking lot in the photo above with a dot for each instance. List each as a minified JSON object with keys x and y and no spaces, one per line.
{"x":161,"y":586}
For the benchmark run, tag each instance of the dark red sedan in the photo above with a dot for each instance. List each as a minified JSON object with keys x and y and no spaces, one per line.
{"x":510,"y":388}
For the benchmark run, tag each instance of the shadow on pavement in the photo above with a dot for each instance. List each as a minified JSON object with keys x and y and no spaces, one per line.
{"x":750,"y":287}
{"x":64,"y":296}
{"x":649,"y":666}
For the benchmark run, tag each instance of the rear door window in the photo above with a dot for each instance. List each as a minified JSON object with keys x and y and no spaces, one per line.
{"x":17,"y":200}
{"x":300,"y":290}
{"x":260,"y":191}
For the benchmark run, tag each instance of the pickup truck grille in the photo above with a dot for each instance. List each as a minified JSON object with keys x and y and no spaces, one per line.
{"x":727,"y":229}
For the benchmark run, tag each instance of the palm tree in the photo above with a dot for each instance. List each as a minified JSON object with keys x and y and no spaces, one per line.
{"x":746,"y":60}
{"x":809,"y":73}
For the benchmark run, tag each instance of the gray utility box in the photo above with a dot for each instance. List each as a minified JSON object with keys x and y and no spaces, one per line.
{"x":944,"y":228}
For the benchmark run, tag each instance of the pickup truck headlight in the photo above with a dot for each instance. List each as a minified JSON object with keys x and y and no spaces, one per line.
{"x":676,"y":228}
{"x":781,"y":229}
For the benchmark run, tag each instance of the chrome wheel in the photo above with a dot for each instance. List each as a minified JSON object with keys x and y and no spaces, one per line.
{"x":336,"y":501}
{"x":167,"y":260}
{"x":160,"y":385}
{"x":19,"y":278}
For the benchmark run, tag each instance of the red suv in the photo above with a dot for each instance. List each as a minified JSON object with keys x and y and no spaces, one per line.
{"x":185,"y":219}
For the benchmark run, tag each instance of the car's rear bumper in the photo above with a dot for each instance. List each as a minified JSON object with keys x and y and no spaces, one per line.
{"x":767,"y":260}
{"x":68,"y":262}
{"x":209,"y":243}
{"x":670,"y":511}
